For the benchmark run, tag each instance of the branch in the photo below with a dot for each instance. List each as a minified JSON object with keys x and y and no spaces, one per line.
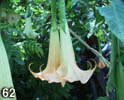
{"x":91,"y":49}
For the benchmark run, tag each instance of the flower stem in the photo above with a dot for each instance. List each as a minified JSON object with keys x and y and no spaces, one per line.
{"x":62,"y":14}
{"x":53,"y":11}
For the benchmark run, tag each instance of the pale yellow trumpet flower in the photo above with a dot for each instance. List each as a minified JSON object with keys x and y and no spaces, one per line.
{"x":68,"y":68}
{"x":49,"y":73}
{"x":29,"y":32}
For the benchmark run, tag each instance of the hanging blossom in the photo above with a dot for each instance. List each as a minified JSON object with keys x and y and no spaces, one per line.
{"x":68,"y":69}
{"x":49,"y":74}
{"x":29,"y":32}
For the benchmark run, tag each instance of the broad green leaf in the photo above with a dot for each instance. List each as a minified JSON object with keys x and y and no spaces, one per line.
{"x":114,"y":15}
{"x":5,"y":73}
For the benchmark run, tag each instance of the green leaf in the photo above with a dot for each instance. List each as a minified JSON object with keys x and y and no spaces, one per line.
{"x":74,"y":2}
{"x":39,"y":0}
{"x":116,"y":73}
{"x":103,"y":98}
{"x":114,"y":15}
{"x":14,"y":1}
{"x":99,"y":18}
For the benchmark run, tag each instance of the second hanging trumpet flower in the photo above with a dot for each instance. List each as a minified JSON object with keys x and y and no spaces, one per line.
{"x":68,"y":69}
